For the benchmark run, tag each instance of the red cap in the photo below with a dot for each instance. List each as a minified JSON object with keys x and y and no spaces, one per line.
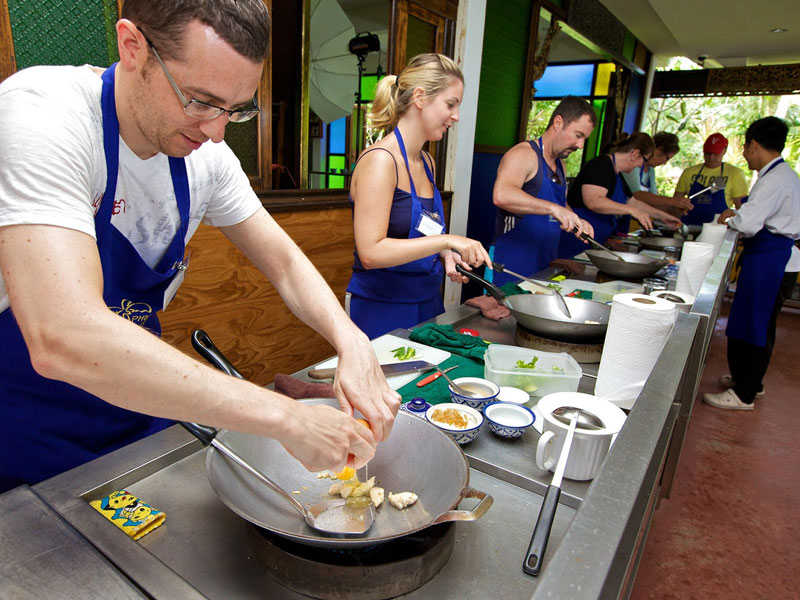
{"x":716,"y":144}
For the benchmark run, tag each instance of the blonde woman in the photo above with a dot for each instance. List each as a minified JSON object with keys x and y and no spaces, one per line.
{"x":402,"y":247}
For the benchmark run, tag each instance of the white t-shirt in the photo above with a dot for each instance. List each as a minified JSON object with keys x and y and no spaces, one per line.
{"x":53,"y":168}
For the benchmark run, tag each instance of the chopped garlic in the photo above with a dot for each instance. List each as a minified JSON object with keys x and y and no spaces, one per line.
{"x":376,"y":495}
{"x":402,"y":499}
{"x":323,"y":475}
{"x":336,"y":488}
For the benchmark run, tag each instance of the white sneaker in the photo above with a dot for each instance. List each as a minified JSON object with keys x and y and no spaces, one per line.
{"x":726,"y":382}
{"x":727,"y":399}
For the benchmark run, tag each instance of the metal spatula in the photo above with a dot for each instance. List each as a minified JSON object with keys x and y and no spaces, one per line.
{"x":562,"y":305}
{"x":334,"y":516}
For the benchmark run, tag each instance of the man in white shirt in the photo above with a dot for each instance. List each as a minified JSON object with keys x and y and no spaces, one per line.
{"x":770,"y":224}
{"x":104,"y":176}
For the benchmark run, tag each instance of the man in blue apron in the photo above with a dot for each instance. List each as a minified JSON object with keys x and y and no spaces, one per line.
{"x":104,"y":176}
{"x":530,"y":193}
{"x":698,"y":178}
{"x":770,"y":225}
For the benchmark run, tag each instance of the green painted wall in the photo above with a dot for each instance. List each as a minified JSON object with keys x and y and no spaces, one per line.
{"x":505,"y":46}
{"x":59,"y":32}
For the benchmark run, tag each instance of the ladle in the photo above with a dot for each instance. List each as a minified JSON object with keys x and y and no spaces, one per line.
{"x":562,"y":305}
{"x":459,"y":390}
{"x":586,"y":420}
{"x":544,"y":523}
{"x":717,"y":184}
{"x":329,"y":516}
{"x":599,"y":246}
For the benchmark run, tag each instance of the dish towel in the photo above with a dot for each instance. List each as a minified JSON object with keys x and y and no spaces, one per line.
{"x":438,"y":391}
{"x":294,"y":388}
{"x":445,"y":337}
{"x":130,"y":514}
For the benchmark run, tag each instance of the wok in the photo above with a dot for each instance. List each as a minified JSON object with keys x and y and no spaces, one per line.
{"x":659,"y":243}
{"x":540,"y":314}
{"x":635,"y":265}
{"x":440,"y":482}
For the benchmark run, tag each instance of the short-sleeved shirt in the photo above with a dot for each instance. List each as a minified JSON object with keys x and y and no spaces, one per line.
{"x":53,"y":168}
{"x":600,"y":172}
{"x":736,"y":184}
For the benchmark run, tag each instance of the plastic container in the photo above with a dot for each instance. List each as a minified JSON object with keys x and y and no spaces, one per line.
{"x":605,"y":292}
{"x":553,"y":371}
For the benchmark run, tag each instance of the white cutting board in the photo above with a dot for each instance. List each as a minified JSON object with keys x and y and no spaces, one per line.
{"x":383,"y":349}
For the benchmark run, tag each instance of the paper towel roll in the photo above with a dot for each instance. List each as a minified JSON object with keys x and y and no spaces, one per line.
{"x":685,"y":305}
{"x":714,"y":234}
{"x":637,"y":329}
{"x":696,"y":258}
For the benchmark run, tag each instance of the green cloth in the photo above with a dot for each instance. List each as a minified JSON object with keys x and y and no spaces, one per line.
{"x":445,"y":337}
{"x":438,"y":391}
{"x":512,"y":289}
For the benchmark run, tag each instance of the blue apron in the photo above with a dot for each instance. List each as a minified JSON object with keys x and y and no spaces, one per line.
{"x":404,"y":295}
{"x":50,"y":426}
{"x":706,"y":205}
{"x":532,"y":243}
{"x":763,"y":262}
{"x":604,"y":225}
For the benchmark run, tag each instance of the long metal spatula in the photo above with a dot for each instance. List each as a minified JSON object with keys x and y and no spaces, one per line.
{"x":329,"y":516}
{"x":562,"y":305}
{"x":600,"y":246}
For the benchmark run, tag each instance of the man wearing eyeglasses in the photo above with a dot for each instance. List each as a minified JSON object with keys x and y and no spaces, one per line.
{"x":104,"y":177}
{"x":530,"y":193}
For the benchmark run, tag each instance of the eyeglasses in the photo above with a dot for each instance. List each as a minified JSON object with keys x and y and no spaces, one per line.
{"x":203,"y":110}
{"x":555,"y":178}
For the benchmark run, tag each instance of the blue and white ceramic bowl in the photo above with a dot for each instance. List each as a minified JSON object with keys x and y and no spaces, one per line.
{"x":461,"y":435}
{"x":508,"y":420}
{"x":488,"y":392}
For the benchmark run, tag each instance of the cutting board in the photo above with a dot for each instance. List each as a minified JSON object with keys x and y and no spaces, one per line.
{"x":383,"y":349}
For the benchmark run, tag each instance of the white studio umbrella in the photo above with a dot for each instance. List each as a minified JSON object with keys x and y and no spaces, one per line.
{"x":333,"y":70}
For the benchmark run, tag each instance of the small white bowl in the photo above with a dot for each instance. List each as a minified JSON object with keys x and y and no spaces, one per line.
{"x":460,"y":436}
{"x":513,"y":395}
{"x":476,"y":403}
{"x":508,"y":420}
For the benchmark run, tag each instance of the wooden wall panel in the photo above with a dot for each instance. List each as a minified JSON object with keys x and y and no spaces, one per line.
{"x":227,"y":297}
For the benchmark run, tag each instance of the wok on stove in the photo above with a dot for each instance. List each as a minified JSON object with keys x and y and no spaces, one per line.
{"x":416,"y":457}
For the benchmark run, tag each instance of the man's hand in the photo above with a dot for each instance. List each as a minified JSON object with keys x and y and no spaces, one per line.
{"x":725,"y":215}
{"x":323,"y":437}
{"x":361,"y":384}
{"x":569,"y":220}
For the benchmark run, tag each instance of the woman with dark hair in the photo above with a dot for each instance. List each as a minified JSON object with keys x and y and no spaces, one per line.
{"x":642,"y":180}
{"x":600,"y":196}
{"x":402,"y":247}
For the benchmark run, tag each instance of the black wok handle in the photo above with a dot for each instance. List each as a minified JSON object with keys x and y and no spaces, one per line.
{"x":204,"y":433}
{"x":541,"y":533}
{"x":490,"y":287}
{"x":206,"y":348}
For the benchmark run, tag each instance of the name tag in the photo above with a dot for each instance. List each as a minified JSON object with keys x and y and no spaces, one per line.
{"x":177,"y":280}
{"x":429,"y":223}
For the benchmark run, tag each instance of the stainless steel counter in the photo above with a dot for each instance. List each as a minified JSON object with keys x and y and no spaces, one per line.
{"x":594,"y":550}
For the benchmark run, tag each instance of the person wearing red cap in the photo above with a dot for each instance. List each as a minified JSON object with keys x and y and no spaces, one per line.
{"x":698,"y":178}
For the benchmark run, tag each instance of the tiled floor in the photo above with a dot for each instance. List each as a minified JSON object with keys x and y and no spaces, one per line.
{"x":731,"y":528}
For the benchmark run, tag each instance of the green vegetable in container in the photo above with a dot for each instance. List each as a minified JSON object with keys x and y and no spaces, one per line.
{"x":404,"y":352}
{"x":521,"y":364}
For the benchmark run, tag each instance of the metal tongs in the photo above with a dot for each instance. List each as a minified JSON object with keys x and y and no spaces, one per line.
{"x":717,"y":184}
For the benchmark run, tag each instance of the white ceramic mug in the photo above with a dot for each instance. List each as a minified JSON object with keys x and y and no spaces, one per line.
{"x":589,"y":447}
